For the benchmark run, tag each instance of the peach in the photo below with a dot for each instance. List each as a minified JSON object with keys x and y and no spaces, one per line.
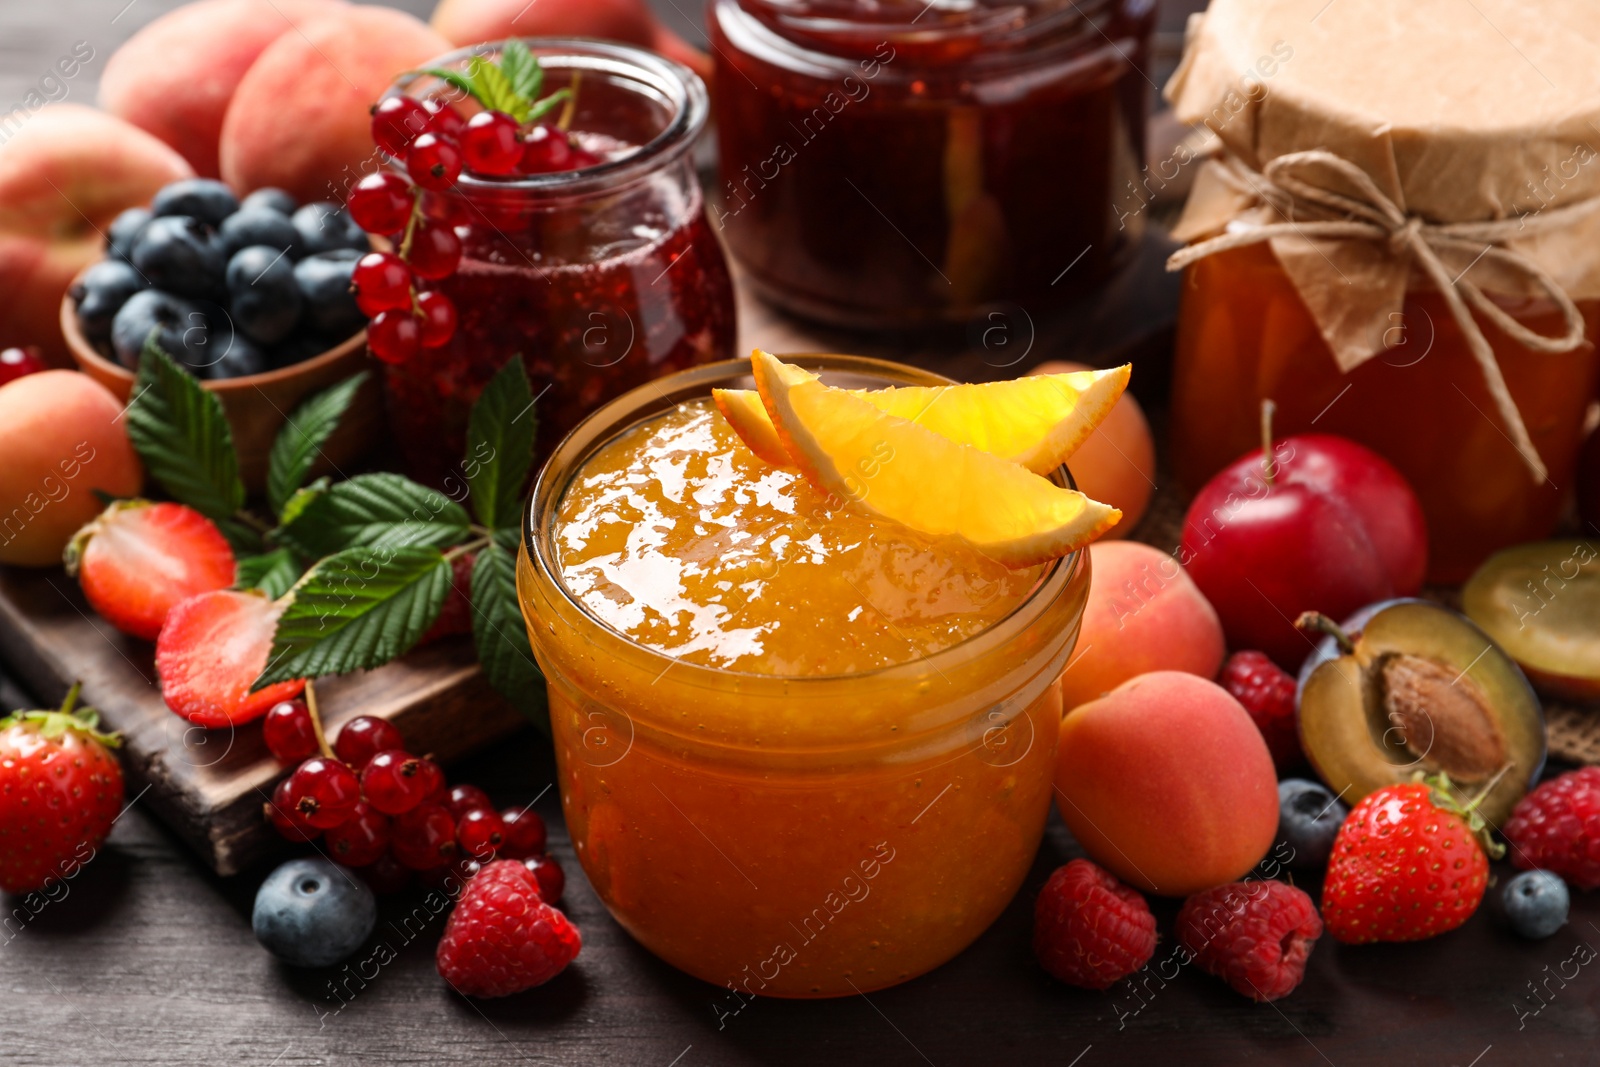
{"x":63,"y":437}
{"x":630,"y":21}
{"x":1167,"y":783}
{"x":300,"y":117}
{"x":1144,"y":614}
{"x":1117,"y":464}
{"x":64,"y":175}
{"x":175,"y":76}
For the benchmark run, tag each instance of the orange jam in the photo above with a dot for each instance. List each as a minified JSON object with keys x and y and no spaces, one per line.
{"x":1244,"y":335}
{"x":802,"y":752}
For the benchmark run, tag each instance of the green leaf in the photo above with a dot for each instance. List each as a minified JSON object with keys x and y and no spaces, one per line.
{"x":183,"y":437}
{"x":375,"y":511}
{"x":494,"y":89}
{"x":501,"y":635}
{"x":454,"y":78}
{"x":303,"y":436}
{"x":522,"y":68}
{"x":547,"y":105}
{"x":243,"y":538}
{"x":302,"y":497}
{"x":500,"y":433}
{"x":509,"y":538}
{"x":357,"y":610}
{"x":272,"y":572}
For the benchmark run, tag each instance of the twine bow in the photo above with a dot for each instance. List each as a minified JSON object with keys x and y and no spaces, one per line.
{"x":1286,"y":184}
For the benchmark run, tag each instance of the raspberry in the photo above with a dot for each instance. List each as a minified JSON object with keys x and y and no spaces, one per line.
{"x":1557,"y":828}
{"x":1089,"y":929}
{"x":502,"y":938}
{"x":1255,"y":936}
{"x":1267,"y":693}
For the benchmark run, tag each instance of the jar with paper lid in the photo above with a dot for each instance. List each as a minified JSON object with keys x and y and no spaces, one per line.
{"x":1397,"y":239}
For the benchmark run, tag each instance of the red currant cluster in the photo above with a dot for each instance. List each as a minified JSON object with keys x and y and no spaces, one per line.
{"x":388,"y":813}
{"x":435,"y":144}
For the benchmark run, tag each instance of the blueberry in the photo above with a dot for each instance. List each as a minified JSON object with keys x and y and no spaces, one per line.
{"x":325,"y":227}
{"x":180,"y":254}
{"x":205,"y":199}
{"x":1535,"y":903}
{"x":264,"y":297}
{"x":239,"y":357}
{"x":124,"y":231}
{"x":259,"y":226}
{"x":179,"y":326}
{"x":270,"y":197}
{"x":298,"y":349}
{"x":311,"y":913}
{"x":330,"y":306}
{"x":100,"y":293}
{"x":1309,"y":817}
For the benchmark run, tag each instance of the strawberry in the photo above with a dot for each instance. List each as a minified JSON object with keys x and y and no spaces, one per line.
{"x":60,"y":791}
{"x":1407,"y":865}
{"x":503,"y":938}
{"x":138,"y":559}
{"x":211,"y":649}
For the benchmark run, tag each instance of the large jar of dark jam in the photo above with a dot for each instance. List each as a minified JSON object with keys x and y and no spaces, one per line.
{"x":598,"y":278}
{"x":901,"y":163}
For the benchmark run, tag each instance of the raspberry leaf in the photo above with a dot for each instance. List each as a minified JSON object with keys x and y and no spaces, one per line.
{"x":183,"y":437}
{"x":356,"y":610}
{"x":302,"y":437}
{"x":500,"y":433}
{"x":512,"y":85}
{"x":522,"y":68}
{"x":501,"y":635}
{"x":274,"y":573}
{"x":377,"y":511}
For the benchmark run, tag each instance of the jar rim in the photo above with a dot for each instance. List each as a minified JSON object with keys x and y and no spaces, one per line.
{"x":662,"y":394}
{"x":673,"y":82}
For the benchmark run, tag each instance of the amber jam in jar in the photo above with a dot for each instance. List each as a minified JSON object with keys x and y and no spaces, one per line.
{"x":893,"y":163}
{"x":1244,"y":335}
{"x":598,"y":279}
{"x":802,"y":752}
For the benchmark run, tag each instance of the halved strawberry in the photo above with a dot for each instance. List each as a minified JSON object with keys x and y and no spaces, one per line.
{"x":211,"y":649}
{"x":138,"y":559}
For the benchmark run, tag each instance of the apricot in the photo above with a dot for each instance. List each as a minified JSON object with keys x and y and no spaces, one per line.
{"x":1167,"y":783}
{"x":63,"y":437}
{"x":64,"y":175}
{"x":1144,"y":614}
{"x":1117,"y":464}
{"x":176,"y":76}
{"x":299,"y":118}
{"x":630,"y":21}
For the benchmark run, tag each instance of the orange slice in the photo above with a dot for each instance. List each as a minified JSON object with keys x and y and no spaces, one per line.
{"x":902,"y":471}
{"x":1036,"y":422}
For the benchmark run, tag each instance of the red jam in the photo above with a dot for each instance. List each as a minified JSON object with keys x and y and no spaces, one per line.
{"x":900,"y":163}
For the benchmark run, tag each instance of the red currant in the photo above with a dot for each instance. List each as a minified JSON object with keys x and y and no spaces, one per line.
{"x":288,"y":732}
{"x":480,"y":833}
{"x":324,"y":791}
{"x":284,"y":818}
{"x":17,"y":362}
{"x":582,"y":157}
{"x":443,"y":118}
{"x":438,"y":319}
{"x":382,"y":282}
{"x":394,"y":336}
{"x":435,"y":251}
{"x":360,"y":839}
{"x":434,"y":162}
{"x":395,"y":781}
{"x":464,"y":798}
{"x":396,"y":123}
{"x":489,"y":144}
{"x":552,"y":879}
{"x":424,"y":838}
{"x":545,"y":148}
{"x":525,"y":833}
{"x":381,"y":203}
{"x":386,"y":874}
{"x":364,"y":737}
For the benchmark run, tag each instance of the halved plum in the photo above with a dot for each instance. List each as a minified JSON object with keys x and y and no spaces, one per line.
{"x":1406,"y":686}
{"x":1541,"y":601}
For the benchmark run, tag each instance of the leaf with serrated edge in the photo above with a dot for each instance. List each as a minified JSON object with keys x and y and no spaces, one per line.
{"x":303,"y":496}
{"x":274,"y":573}
{"x":501,"y":636}
{"x":377,"y":511}
{"x":454,"y":78}
{"x":494,"y":89}
{"x":500,"y":433}
{"x":357,"y":610}
{"x":547,"y":105}
{"x":302,"y":438}
{"x":183,"y":436}
{"x":522,"y":68}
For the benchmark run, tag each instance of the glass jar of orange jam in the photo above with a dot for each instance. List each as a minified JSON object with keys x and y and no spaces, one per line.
{"x":802,"y":753}
{"x":1244,"y":335}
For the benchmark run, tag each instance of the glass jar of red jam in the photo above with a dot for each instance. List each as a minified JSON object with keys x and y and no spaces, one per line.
{"x":598,"y":278}
{"x":901,"y":163}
